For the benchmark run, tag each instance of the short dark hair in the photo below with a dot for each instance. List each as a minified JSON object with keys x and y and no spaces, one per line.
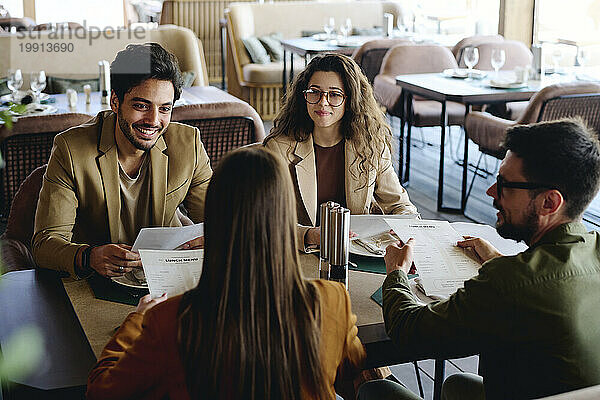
{"x":139,"y":62}
{"x":565,"y":154}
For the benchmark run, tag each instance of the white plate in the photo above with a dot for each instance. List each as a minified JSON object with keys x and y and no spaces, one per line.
{"x":507,"y":85}
{"x":356,"y":249}
{"x":380,"y":241}
{"x":462,"y":73}
{"x":37,"y":109}
{"x":125,"y":280}
{"x":320,"y":36}
{"x":348,"y":43}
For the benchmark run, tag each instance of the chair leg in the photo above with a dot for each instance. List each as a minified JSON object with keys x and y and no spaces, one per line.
{"x":418,"y":374}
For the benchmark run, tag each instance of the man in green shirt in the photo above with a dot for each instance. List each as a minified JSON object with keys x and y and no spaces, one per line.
{"x":533,"y":318}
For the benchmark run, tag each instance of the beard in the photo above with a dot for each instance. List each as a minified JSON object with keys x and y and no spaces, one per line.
{"x":519,"y":232}
{"x":127,"y":130}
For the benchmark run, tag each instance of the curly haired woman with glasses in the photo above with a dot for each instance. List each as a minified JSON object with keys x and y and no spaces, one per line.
{"x":335,"y":138}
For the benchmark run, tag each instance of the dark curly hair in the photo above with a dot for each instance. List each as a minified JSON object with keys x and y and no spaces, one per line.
{"x":364,"y":124}
{"x":139,"y":62}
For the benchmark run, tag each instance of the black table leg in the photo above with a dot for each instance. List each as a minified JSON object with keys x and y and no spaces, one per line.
{"x":284,"y":78}
{"x":439,"y":375}
{"x":409,"y":101}
{"x":291,"y":67}
{"x":440,"y":199}
{"x":463,"y":189}
{"x":401,"y":157}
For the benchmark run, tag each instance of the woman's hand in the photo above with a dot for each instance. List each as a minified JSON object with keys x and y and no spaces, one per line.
{"x":148,"y":302}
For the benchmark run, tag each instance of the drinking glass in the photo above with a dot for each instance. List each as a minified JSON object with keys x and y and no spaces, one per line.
{"x":346,"y":29}
{"x":471,"y":56}
{"x":37,"y":83}
{"x":498,"y":59}
{"x":556,"y":56}
{"x":14,"y":82}
{"x":329,"y":27}
{"x":581,"y":57}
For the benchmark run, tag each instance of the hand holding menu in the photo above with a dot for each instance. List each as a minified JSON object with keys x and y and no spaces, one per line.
{"x":442,"y":266}
{"x":171,"y":271}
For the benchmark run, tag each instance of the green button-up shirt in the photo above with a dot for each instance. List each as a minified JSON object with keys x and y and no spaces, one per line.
{"x":533,"y":318}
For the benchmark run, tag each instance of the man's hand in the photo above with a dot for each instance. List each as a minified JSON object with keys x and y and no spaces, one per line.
{"x":481,"y":247}
{"x":148,"y":302}
{"x":193,"y":244}
{"x":398,"y":256}
{"x":114,"y":259}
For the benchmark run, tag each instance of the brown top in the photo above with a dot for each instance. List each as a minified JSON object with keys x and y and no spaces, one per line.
{"x":330,"y":163}
{"x":141,"y":360}
{"x":135,"y":202}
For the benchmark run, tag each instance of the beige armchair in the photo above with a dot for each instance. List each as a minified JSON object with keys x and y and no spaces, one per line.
{"x":408,"y":59}
{"x":476,"y":40}
{"x":551,"y":103}
{"x":370,"y":55}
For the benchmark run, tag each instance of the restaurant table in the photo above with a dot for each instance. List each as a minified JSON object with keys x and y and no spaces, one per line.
{"x":76,"y":325}
{"x":190,"y":95}
{"x":435,"y":86}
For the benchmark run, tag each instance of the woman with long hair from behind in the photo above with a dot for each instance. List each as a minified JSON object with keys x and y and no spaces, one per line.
{"x":253,"y":328}
{"x":334,"y":137}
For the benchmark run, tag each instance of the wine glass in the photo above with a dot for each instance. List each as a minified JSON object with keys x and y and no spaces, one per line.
{"x":14,"y":82}
{"x":329,"y":27}
{"x":498,"y":59}
{"x":581,"y":57}
{"x":471,"y":56}
{"x":37,"y":83}
{"x":346,"y":29}
{"x":556,"y":56}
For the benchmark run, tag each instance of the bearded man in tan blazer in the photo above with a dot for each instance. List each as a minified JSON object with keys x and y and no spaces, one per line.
{"x":126,"y":169}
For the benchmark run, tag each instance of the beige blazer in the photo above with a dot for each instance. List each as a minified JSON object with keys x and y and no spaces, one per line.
{"x":80,"y":200}
{"x":141,"y":360}
{"x":383,"y":189}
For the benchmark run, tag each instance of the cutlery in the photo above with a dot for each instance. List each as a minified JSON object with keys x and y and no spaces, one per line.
{"x":370,"y":248}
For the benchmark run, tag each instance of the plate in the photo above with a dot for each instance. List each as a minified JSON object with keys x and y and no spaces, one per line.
{"x":347,"y":43}
{"x":462,"y":73}
{"x":37,"y":109}
{"x":128,"y":280}
{"x":20,"y":94}
{"x":379,"y":241}
{"x":320,"y":36}
{"x":507,"y":85}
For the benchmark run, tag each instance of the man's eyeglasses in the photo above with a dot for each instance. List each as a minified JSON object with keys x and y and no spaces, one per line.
{"x":502,"y":183}
{"x":335,"y":98}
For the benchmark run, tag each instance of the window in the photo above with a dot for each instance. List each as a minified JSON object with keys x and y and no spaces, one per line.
{"x":89,"y":13}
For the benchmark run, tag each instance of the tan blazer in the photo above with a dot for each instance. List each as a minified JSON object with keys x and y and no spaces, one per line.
{"x":80,"y":200}
{"x":141,"y":360}
{"x":383,"y":188}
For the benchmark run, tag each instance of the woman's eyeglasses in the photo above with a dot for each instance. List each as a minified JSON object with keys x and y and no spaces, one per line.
{"x":502,"y":183}
{"x":334,"y":98}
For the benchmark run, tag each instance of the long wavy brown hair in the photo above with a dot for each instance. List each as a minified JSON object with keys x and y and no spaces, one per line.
{"x":250,"y":329}
{"x":364,"y":124}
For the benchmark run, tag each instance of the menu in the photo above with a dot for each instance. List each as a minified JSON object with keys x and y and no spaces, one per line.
{"x":171,"y":271}
{"x":442,"y":266}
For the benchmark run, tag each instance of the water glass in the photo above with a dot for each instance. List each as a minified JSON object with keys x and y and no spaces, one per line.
{"x":471,"y":56}
{"x":581,"y":57}
{"x":329,"y":27}
{"x":498,"y":59}
{"x":556,"y":57}
{"x":14,"y":82}
{"x":37,"y":83}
